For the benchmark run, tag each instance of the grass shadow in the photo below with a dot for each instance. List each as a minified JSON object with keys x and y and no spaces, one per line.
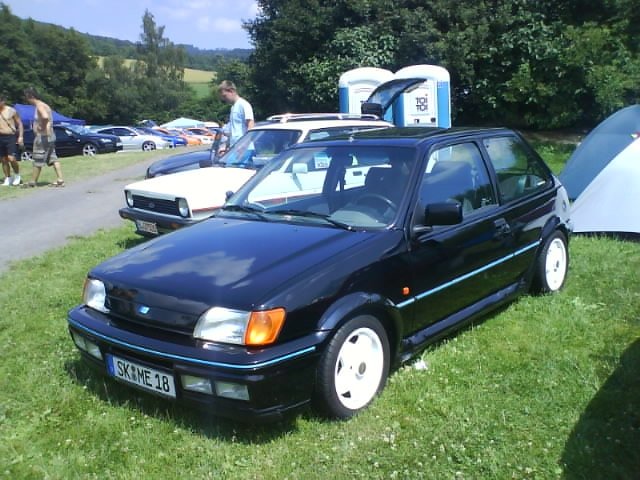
{"x":191,"y":419}
{"x":605,"y":442}
{"x":131,"y":242}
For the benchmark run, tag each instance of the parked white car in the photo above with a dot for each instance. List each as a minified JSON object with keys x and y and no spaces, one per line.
{"x":134,"y":140}
{"x":168,"y":202}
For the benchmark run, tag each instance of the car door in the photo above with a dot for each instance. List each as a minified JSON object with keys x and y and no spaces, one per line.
{"x":128,"y":138}
{"x":459,"y":266}
{"x":66,"y":144}
{"x":526,"y":193}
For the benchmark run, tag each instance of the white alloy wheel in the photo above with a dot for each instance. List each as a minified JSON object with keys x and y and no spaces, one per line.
{"x":148,"y":146}
{"x":353,"y":367}
{"x":556,"y":264}
{"x":89,"y":150}
{"x":359,"y":368}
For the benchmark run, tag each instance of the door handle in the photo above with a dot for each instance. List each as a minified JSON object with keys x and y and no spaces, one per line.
{"x":502,"y":228}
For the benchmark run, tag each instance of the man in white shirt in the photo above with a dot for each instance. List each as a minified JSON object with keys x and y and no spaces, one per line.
{"x":241,"y":115}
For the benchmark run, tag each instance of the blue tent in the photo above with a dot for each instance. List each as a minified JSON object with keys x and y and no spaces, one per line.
{"x":602,"y":177}
{"x":599,"y":148}
{"x":27,"y":114}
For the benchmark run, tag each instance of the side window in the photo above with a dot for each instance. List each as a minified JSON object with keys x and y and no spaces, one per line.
{"x":62,"y":134}
{"x":457,"y":173}
{"x":123,"y":132}
{"x":519,"y":173}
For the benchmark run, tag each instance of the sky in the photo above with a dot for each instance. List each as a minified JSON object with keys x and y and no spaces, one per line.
{"x":206,"y":24}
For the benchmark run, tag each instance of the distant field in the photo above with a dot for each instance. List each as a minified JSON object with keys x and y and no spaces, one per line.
{"x":199,"y":80}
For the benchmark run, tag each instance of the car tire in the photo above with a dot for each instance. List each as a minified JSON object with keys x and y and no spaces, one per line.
{"x":353,"y":368}
{"x":26,"y":156}
{"x":148,"y":146}
{"x":552,"y":264}
{"x":89,"y":150}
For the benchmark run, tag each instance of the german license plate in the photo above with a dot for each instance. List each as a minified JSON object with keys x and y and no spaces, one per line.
{"x":147,"y":227}
{"x":144,"y":377}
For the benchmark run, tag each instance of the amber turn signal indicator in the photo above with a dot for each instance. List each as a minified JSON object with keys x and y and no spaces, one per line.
{"x":264,"y":327}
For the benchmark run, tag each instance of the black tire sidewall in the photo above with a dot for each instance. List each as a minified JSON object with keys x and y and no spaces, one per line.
{"x":326,"y":398}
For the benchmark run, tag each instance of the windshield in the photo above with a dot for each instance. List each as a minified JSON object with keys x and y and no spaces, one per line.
{"x":79,"y":130}
{"x":356,"y":187}
{"x":257,"y":147}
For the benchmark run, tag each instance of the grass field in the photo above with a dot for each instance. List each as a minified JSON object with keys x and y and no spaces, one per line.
{"x":199,"y":80}
{"x":76,"y":168}
{"x":547,"y":387}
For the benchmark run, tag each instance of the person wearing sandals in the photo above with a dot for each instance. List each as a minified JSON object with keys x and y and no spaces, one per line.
{"x":44,"y":143}
{"x":10,"y":124}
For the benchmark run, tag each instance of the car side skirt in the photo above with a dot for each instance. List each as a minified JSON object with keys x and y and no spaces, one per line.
{"x":420,"y":339}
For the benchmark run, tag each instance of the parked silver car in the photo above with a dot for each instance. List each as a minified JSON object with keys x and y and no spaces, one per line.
{"x":133,"y":140}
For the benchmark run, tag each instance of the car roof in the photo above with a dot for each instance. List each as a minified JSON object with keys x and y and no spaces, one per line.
{"x":410,"y":136}
{"x":306,"y":125}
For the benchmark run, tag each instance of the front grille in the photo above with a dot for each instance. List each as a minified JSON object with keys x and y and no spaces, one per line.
{"x":168,"y":207}
{"x":157,"y":318}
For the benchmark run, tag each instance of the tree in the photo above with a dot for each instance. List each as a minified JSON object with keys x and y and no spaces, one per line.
{"x":159,"y":72}
{"x":525,"y":63}
{"x":17,"y":56}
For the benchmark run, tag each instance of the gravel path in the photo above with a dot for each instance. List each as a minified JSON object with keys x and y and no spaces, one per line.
{"x":46,"y":218}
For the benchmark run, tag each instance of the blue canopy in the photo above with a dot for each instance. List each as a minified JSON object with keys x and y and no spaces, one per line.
{"x":27,"y":114}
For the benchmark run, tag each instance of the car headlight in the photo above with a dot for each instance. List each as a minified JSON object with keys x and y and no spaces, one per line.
{"x":95,"y":295}
{"x":129,"y":196}
{"x":225,"y":325}
{"x":105,"y":140}
{"x":183,"y":207}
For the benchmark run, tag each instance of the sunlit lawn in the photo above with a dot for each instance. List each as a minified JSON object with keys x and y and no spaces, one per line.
{"x":77,"y":168}
{"x":547,"y":387}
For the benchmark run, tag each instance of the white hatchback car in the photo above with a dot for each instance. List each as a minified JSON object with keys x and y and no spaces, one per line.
{"x":168,"y":202}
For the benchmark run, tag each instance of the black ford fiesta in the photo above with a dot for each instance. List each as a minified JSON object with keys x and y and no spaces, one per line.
{"x":340,"y":260}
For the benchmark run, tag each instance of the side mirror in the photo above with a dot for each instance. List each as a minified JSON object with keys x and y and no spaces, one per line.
{"x":444,"y":213}
{"x":228,"y":195}
{"x":369,"y":108}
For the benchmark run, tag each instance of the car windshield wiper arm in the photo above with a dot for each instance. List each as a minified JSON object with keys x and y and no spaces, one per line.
{"x":245,"y":209}
{"x":308,"y":214}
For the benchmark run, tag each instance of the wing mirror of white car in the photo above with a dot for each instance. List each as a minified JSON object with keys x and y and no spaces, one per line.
{"x":228,"y":195}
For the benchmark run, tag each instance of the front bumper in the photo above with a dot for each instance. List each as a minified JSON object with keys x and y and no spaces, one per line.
{"x":278,"y":379}
{"x":163,"y":223}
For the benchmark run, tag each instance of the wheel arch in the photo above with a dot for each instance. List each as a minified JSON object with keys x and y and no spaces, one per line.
{"x":363,"y":303}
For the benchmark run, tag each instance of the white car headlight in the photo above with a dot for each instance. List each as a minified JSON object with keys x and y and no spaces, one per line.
{"x":225,"y":325}
{"x":95,"y":295}
{"x":129,"y":197}
{"x":222,"y":325}
{"x":183,"y":207}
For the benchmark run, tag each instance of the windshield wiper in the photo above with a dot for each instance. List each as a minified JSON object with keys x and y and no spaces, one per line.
{"x":308,"y":214}
{"x":246,"y":209}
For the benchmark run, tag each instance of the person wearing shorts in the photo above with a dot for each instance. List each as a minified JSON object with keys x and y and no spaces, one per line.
{"x":44,"y":144}
{"x":10,"y":124}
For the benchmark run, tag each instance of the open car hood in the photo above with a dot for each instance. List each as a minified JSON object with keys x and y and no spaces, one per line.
{"x":386,"y":93}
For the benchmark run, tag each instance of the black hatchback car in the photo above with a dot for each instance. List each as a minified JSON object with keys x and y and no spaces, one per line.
{"x":338,"y":261}
{"x":75,"y":140}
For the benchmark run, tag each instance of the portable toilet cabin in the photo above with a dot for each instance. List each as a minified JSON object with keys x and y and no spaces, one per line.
{"x":429,"y":104}
{"x":356,"y":85}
